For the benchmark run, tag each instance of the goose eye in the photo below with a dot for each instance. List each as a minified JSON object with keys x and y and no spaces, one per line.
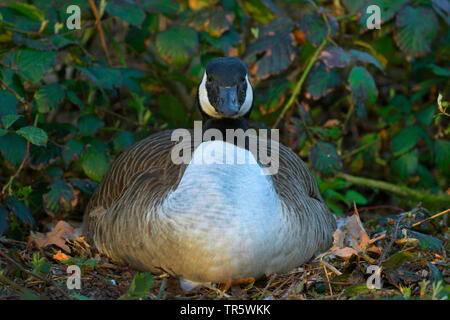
{"x":209,"y":79}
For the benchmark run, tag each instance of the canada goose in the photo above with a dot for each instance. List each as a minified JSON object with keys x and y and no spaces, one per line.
{"x":209,"y":223}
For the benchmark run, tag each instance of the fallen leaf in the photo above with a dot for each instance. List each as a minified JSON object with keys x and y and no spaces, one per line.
{"x":57,"y":236}
{"x":60,"y":256}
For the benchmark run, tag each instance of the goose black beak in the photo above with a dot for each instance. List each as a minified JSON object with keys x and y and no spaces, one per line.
{"x":228,"y":101}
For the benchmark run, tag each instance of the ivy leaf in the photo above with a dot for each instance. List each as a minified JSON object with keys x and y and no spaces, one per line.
{"x":177,"y":44}
{"x":9,"y":120}
{"x":89,"y":124}
{"x":406,"y":139}
{"x":324,"y":157}
{"x":365,"y":57}
{"x":442,"y":156}
{"x":48,"y":97}
{"x":334,"y":57}
{"x":277,"y":44}
{"x":406,"y":164}
{"x":61,"y":195}
{"x":362,"y":86}
{"x":35,"y":135}
{"x":32,"y":64}
{"x":13,"y":147}
{"x":94,"y":163}
{"x":127,"y":11}
{"x":321,"y":81}
{"x":417,"y":28}
{"x":19,"y":210}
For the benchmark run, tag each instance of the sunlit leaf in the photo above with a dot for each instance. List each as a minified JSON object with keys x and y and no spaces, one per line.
{"x":177,"y":44}
{"x":35,"y":135}
{"x":95,"y":164}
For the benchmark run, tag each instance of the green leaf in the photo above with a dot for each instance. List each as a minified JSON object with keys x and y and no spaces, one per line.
{"x":172,"y":110}
{"x":126,"y":11}
{"x":324,"y":157}
{"x":259,"y":10}
{"x":19,"y":210}
{"x":13,"y":147}
{"x":362,"y":85}
{"x":140,"y":286}
{"x":33,"y":64}
{"x":85,"y":185}
{"x":334,"y":57}
{"x":399,"y":258}
{"x":177,"y":44}
{"x":417,"y":28}
{"x":89,"y":124}
{"x":35,"y":135}
{"x":48,"y":97}
{"x":406,"y":139}
{"x":72,"y":149}
{"x":426,"y":242}
{"x":442,"y":156}
{"x":124,"y":139}
{"x":388,"y":9}
{"x":276,"y":44}
{"x":352,"y":195}
{"x":61,"y":195}
{"x":9,"y":120}
{"x":439,"y":71}
{"x":361,"y":56}
{"x":314,"y":28}
{"x":38,"y":44}
{"x":321,"y":81}
{"x":28,"y":10}
{"x":104,"y":77}
{"x":94,"y":163}
{"x":161,"y":6}
{"x":406,"y":164}
{"x":3,"y":132}
{"x":436,"y":275}
{"x":402,"y":103}
{"x":357,"y":289}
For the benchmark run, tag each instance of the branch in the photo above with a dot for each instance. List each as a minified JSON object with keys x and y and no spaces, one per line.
{"x":100,"y":30}
{"x":401,"y":191}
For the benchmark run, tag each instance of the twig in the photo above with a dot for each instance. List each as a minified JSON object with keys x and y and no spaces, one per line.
{"x":329,"y":266}
{"x":429,"y":218}
{"x":11,"y":179}
{"x":300,"y":82}
{"x":328,"y":279}
{"x":261,"y":296}
{"x":18,"y":287}
{"x":378,"y":207}
{"x":100,"y":30}
{"x":53,"y":283}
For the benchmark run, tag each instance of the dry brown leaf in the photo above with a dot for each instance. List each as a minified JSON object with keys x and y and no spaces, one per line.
{"x":57,"y":236}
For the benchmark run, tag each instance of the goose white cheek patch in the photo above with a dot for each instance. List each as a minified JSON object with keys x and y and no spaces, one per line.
{"x":204,"y":101}
{"x":211,"y":111}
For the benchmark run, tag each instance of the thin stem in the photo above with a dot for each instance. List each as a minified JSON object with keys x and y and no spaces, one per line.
{"x":300,"y":82}
{"x":100,"y":30}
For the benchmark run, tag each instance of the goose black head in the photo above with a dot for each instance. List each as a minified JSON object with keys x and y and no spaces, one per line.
{"x":225,"y":92}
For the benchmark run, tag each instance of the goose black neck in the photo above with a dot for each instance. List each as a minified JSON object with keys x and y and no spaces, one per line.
{"x":223,"y":124}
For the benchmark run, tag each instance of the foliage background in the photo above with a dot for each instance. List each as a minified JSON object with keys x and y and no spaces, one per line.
{"x":360,"y":105}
